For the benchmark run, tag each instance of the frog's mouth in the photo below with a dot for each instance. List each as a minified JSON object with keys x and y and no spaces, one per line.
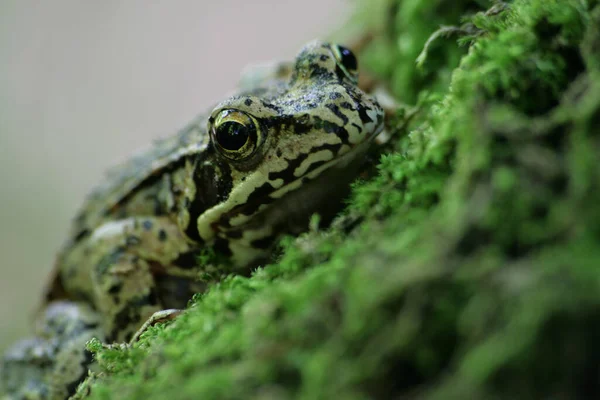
{"x":252,"y":228}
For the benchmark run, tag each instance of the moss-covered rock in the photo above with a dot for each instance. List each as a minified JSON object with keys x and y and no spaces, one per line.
{"x":473,"y":268}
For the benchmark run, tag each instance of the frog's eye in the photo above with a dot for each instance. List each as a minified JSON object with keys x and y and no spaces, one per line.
{"x":235,"y":134}
{"x":346,"y":61}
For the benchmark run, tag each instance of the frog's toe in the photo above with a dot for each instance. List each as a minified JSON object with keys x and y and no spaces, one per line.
{"x":52,"y":364}
{"x":24,"y":368}
{"x":156,"y":318}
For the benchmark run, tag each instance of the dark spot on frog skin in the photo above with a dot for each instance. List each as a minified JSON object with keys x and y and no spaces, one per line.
{"x":331,"y":127}
{"x":132,"y":240}
{"x":81,"y":235}
{"x":271,"y":106}
{"x":248,"y":102}
{"x":158,"y":207}
{"x":147,"y":225}
{"x":107,"y":261}
{"x":318,"y":71}
{"x":115,"y":292}
{"x":263,"y":243}
{"x":362,"y":110}
{"x":258,"y":197}
{"x":162,"y":235}
{"x":235,"y":234}
{"x":347,"y":106}
{"x":336,"y":110}
{"x":116,"y":288}
{"x":222,"y":247}
{"x":187,"y":260}
{"x":362,"y":113}
{"x":287,"y":174}
{"x":333,"y":147}
{"x":300,"y":123}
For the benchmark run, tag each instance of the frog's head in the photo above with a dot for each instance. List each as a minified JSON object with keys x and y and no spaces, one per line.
{"x":288,"y":149}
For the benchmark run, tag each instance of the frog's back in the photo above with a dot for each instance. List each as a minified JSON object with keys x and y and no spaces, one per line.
{"x":138,"y":173}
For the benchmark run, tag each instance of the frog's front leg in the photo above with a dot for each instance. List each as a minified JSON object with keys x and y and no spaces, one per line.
{"x":124,"y":257}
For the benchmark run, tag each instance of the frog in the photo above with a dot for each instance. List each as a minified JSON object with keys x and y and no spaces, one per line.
{"x":253,"y":168}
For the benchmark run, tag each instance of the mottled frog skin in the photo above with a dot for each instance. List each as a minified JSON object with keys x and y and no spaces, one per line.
{"x":258,"y":165}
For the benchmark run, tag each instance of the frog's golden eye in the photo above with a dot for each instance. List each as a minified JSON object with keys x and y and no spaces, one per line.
{"x":235,"y":134}
{"x":346,"y":61}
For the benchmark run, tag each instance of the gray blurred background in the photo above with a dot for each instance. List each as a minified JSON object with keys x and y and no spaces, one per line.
{"x":85,"y":83}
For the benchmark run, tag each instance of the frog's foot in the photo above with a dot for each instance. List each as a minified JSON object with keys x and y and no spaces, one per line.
{"x":25,"y":367}
{"x":51,"y":364}
{"x":156,"y":318}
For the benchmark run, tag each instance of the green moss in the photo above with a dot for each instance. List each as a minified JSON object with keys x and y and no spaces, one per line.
{"x":401,"y":29}
{"x":474,"y":269}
